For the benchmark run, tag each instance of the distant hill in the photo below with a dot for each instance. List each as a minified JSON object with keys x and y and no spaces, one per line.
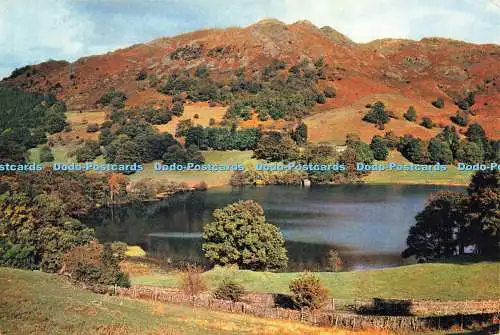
{"x":398,"y":72}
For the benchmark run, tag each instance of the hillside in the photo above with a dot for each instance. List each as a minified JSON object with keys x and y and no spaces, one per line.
{"x":398,"y":72}
{"x":40,"y":303}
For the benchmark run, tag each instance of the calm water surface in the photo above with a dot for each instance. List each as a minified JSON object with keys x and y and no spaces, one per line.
{"x":368,"y":224}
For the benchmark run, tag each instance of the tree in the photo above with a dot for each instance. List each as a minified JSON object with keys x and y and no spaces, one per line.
{"x":275,"y":147}
{"x":240,"y":235}
{"x":54,"y":121}
{"x":411,"y":114}
{"x":433,"y":235}
{"x":475,"y":133}
{"x":469,"y":152}
{"x":379,"y":148}
{"x":414,"y":149}
{"x":46,"y":154}
{"x":438,"y":103}
{"x":377,"y":115}
{"x":363,"y":152}
{"x":90,"y":151}
{"x":452,"y":221}
{"x":439,"y":151}
{"x":182,"y":127}
{"x":335,"y":263}
{"x":484,"y":212}
{"x":300,"y":134}
{"x":308,"y":292}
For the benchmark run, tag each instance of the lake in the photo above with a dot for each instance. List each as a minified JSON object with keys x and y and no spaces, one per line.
{"x":367,"y":224}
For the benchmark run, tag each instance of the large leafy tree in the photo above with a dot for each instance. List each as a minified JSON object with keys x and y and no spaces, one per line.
{"x":453,"y":221}
{"x":433,"y":235}
{"x":484,"y":212}
{"x":240,"y":235}
{"x":275,"y":147}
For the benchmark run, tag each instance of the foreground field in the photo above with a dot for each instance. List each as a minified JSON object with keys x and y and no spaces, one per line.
{"x":419,"y":282}
{"x":40,"y":303}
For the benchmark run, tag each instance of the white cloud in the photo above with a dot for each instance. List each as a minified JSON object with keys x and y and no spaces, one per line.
{"x":31,"y":31}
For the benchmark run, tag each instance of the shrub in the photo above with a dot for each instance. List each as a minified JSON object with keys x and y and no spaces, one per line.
{"x":438,"y":103}
{"x":119,"y":250}
{"x":113,"y":97}
{"x":192,"y":281}
{"x":94,"y":263}
{"x":308,"y":292}
{"x":211,"y":122}
{"x":427,"y":123}
{"x":411,"y":114}
{"x":196,"y":116}
{"x":92,"y":128}
{"x":142,"y":75}
{"x":320,"y":98}
{"x":228,"y":289}
{"x":330,"y":92}
{"x":461,"y":118}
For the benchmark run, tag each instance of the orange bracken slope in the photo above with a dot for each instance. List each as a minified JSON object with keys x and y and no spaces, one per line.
{"x":406,"y":71}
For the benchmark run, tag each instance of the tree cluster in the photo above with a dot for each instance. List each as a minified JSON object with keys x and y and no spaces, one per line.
{"x":25,"y":120}
{"x":221,"y":138}
{"x":453,"y":223}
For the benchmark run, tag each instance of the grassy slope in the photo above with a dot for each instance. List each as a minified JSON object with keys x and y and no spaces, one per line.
{"x":40,"y":303}
{"x":421,"y":281}
{"x":450,"y":177}
{"x":195,"y":177}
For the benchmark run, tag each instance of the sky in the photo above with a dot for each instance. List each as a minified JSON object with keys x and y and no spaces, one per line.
{"x":32,"y":31}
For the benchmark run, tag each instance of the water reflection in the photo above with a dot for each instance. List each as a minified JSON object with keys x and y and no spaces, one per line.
{"x":368,"y":224}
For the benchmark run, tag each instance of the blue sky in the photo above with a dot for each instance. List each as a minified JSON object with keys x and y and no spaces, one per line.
{"x":32,"y":31}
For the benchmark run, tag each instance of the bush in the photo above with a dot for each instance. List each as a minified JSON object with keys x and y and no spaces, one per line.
{"x":228,"y":289}
{"x":196,"y":116}
{"x":427,"y":123}
{"x":308,"y":292}
{"x":94,"y":263}
{"x":92,"y":128}
{"x":461,"y":118}
{"x":411,"y":114}
{"x":438,"y":103}
{"x":211,"y":122}
{"x":192,"y":281}
{"x":330,"y":92}
{"x":142,"y":75}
